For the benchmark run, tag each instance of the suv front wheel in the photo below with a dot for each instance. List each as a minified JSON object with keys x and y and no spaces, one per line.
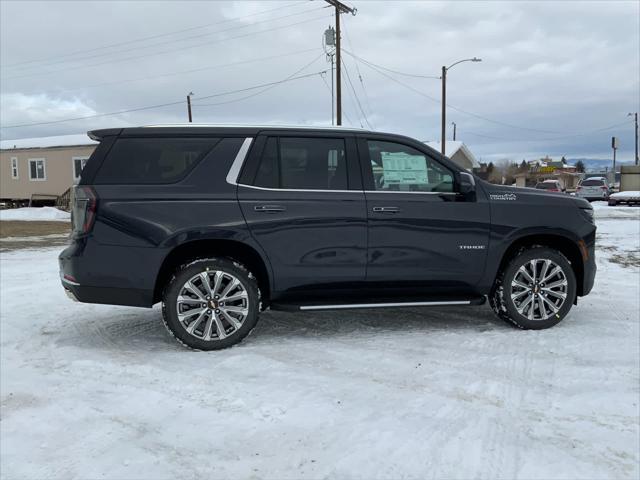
{"x":211,"y":304}
{"x":535,"y":290}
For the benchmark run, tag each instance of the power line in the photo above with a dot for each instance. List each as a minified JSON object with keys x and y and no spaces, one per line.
{"x":356,"y":95}
{"x":268,"y":85}
{"x":169,"y":50}
{"x":560,"y":136}
{"x":366,"y":95}
{"x":453,"y":107}
{"x":326,"y":84}
{"x":141,"y":39}
{"x":150,"y":107}
{"x":181,"y":72}
{"x":355,"y":107}
{"x":401,"y":83}
{"x":173,"y":41}
{"x":415,"y":75}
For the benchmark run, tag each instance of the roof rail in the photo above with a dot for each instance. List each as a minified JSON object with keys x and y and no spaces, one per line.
{"x":240,"y":125}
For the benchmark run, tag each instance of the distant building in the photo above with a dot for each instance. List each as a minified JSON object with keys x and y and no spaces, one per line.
{"x":41,"y":169}
{"x":458,"y":153}
{"x":548,"y":169}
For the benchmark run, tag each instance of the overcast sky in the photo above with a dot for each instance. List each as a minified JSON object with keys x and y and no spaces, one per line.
{"x":554,"y":75}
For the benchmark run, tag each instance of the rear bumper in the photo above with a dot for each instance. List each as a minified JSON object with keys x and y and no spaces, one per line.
{"x":107,"y":296}
{"x":113,"y":275}
{"x":593,"y":196}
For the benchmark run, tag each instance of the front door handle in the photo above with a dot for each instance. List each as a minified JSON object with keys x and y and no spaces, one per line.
{"x":269,"y":208}
{"x":386,"y":209}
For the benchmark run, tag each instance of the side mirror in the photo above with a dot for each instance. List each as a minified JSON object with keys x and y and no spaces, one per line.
{"x":467,"y":183}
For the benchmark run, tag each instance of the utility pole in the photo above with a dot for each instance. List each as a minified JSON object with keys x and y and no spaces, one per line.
{"x":614,"y":146}
{"x":636,"y":121}
{"x":189,"y":107}
{"x":340,"y":8}
{"x":454,"y":130}
{"x":330,"y":41}
{"x":443,"y":137}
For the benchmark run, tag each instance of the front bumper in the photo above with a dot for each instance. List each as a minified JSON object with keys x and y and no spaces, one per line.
{"x":590,"y":269}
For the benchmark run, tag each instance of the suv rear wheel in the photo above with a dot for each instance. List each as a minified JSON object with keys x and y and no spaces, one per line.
{"x":211,"y":304}
{"x":536,"y":289}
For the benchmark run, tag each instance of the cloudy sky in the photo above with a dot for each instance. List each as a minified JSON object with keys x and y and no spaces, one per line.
{"x":556,"y":77}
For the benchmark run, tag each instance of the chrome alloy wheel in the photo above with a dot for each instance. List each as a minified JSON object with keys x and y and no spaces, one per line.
{"x":212,"y":305}
{"x":539,"y":289}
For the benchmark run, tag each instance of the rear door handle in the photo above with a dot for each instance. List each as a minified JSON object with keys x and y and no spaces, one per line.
{"x":269,"y":208}
{"x":386,"y":209}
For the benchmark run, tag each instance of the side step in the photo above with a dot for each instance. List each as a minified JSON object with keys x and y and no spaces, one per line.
{"x":350,"y":306}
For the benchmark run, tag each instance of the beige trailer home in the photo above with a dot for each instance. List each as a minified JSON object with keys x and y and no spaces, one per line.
{"x":40,"y":170}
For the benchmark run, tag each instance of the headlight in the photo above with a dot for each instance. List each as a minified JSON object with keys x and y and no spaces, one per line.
{"x":588,"y":212}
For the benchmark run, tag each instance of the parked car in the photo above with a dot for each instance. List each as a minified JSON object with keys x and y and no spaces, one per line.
{"x":550,"y":186}
{"x":219,"y":223}
{"x":628,"y":197}
{"x":594,"y":188}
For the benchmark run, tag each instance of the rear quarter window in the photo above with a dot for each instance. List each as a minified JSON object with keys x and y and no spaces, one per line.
{"x":152,"y":160}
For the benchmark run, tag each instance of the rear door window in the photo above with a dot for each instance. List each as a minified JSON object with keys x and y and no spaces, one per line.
{"x":152,"y":160}
{"x":297,"y":163}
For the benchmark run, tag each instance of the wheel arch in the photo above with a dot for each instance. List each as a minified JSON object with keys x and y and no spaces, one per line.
{"x":204,"y":248}
{"x":565,"y":244}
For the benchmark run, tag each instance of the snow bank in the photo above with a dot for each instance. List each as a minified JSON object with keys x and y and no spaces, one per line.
{"x":35,"y":214}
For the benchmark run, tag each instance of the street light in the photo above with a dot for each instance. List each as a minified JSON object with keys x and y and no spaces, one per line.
{"x":444,"y":96}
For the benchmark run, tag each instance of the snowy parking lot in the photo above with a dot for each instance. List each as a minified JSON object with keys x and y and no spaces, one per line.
{"x":92,"y":391}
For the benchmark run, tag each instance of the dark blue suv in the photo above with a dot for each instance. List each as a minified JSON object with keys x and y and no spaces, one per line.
{"x":219,"y":223}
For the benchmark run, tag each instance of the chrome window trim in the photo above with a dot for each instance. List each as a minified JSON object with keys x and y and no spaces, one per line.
{"x":297,"y":189}
{"x":238,"y":162}
{"x":413,"y":192}
{"x":335,"y":191}
{"x":383,"y":305}
{"x":234,"y":171}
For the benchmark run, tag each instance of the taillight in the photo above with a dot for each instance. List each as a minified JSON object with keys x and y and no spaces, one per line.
{"x":579,"y":188}
{"x":83,"y":213}
{"x":603,"y":187}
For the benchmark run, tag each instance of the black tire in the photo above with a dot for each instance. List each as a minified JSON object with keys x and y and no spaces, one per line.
{"x":500,"y":297}
{"x":612,"y":203}
{"x":178,"y":328}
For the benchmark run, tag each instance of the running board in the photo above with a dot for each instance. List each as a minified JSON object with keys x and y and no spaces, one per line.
{"x":352,"y":306}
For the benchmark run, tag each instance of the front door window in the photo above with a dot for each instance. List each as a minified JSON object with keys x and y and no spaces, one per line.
{"x":400,"y":168}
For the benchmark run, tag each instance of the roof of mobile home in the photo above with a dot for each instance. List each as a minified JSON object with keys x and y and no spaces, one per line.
{"x":79,"y":139}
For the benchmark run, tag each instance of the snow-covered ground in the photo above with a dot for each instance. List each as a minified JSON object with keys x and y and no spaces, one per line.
{"x":35,"y":214}
{"x":93,"y":391}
